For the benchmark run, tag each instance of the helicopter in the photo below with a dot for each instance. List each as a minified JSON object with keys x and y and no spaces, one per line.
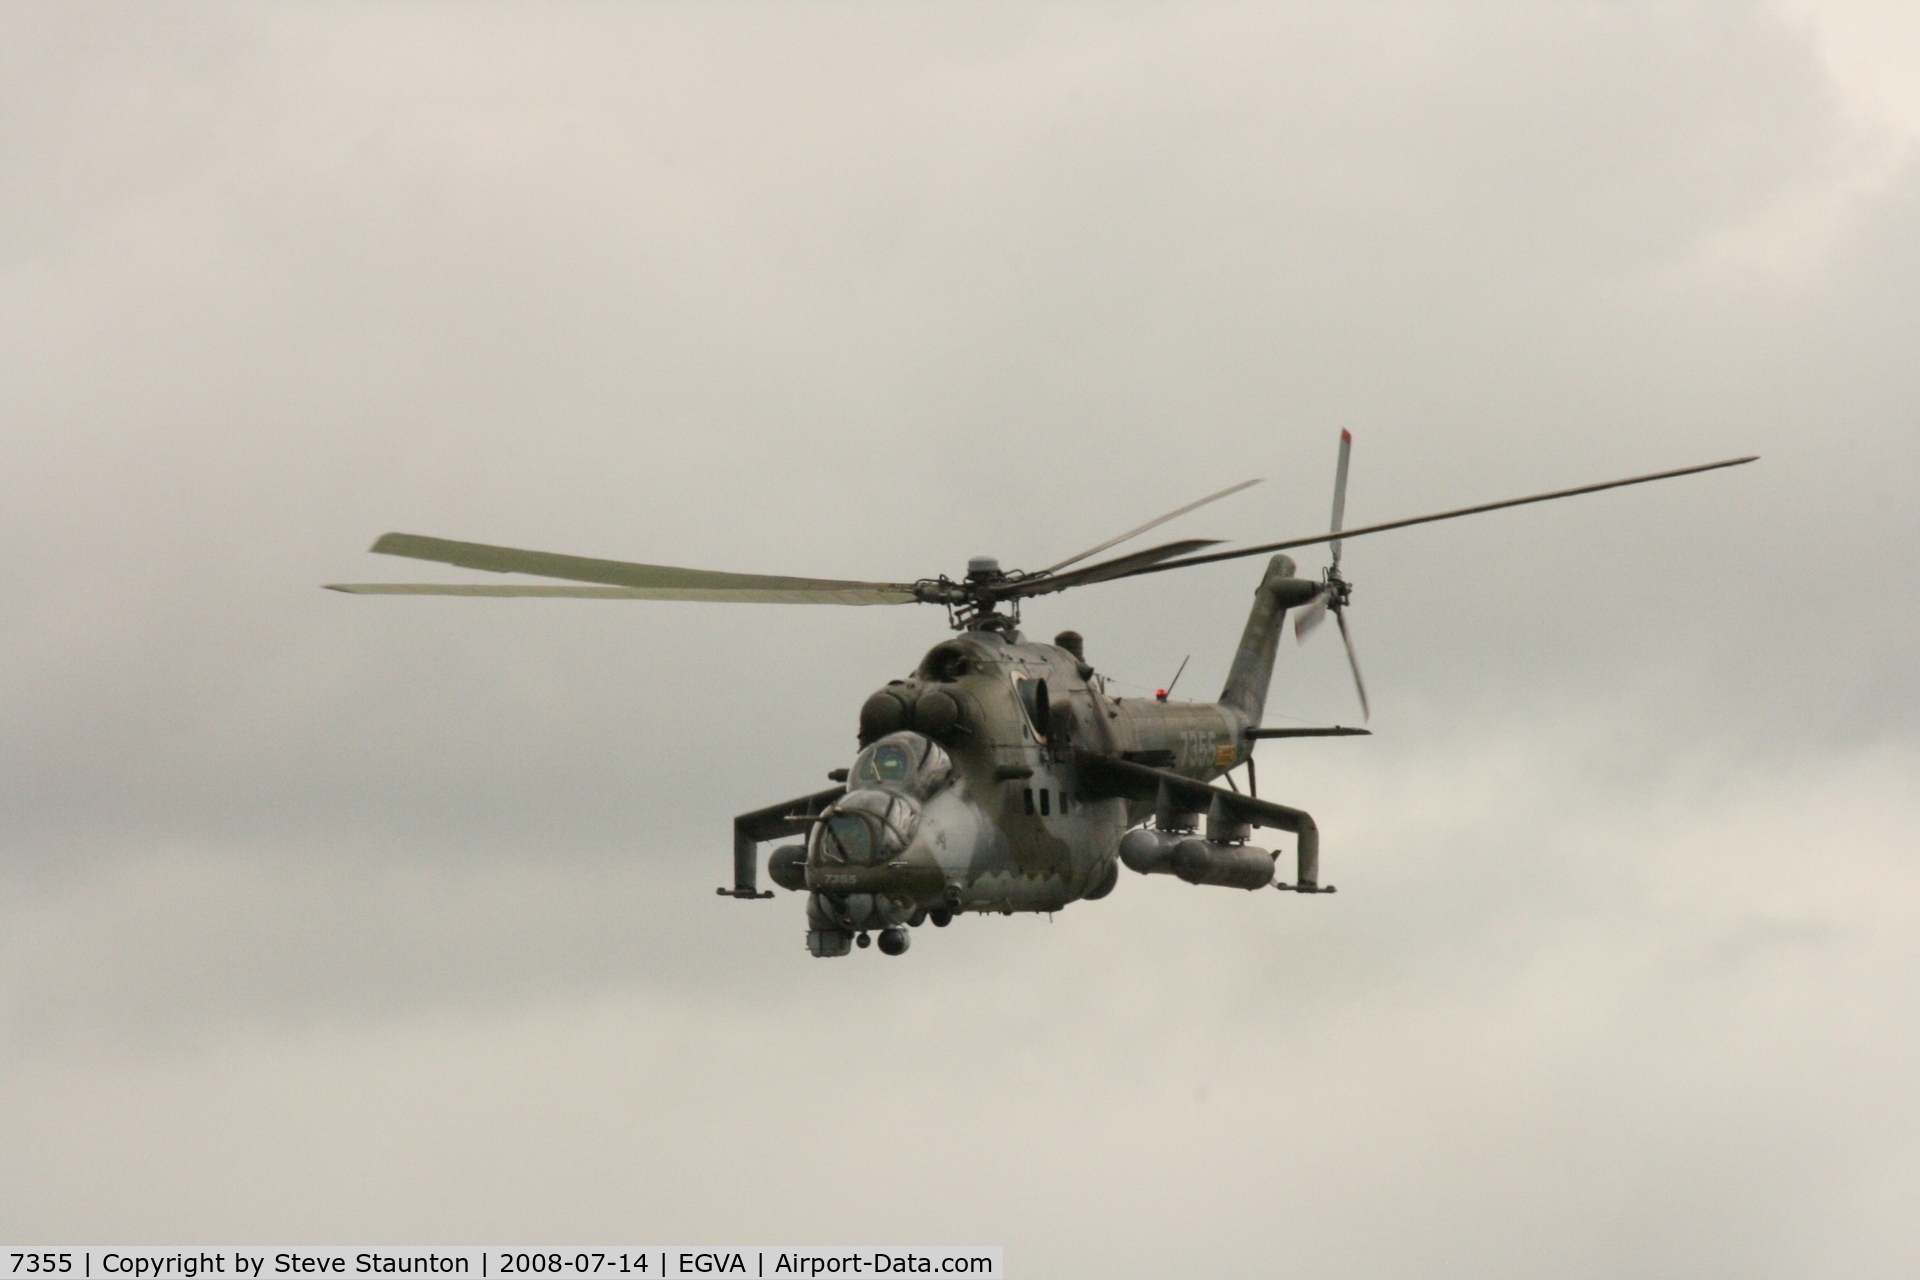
{"x":1002,"y":775}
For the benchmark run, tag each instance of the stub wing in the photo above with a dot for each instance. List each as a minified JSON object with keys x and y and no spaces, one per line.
{"x":1107,"y":777}
{"x":775,"y":822}
{"x":1179,"y":801}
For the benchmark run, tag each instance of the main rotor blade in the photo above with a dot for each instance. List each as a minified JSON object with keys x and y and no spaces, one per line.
{"x":1118,"y":567}
{"x":1151,"y":524}
{"x":647,"y":581}
{"x":1190,"y":561}
{"x":735,"y":595}
{"x":1353,"y":660}
{"x":1340,"y":491}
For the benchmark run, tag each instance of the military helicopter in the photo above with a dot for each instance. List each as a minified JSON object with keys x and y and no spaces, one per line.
{"x":1001,"y":775}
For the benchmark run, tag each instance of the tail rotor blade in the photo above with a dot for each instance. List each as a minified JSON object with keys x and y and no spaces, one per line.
{"x":1310,"y":616}
{"x":1353,"y":660}
{"x":1340,"y":491}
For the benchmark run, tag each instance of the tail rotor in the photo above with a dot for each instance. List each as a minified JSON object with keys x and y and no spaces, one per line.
{"x":1335,"y":590}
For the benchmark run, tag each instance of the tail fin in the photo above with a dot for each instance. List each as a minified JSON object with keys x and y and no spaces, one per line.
{"x":1252,"y":669}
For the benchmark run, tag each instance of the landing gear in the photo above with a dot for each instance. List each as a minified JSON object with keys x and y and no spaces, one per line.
{"x":941,"y":917}
{"x":865,"y":940}
{"x":894,"y":940}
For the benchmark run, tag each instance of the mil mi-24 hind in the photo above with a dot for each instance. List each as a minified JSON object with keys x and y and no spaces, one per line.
{"x":1001,"y":776}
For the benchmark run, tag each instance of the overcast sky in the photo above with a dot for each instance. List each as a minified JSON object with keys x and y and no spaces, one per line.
{"x":330,"y":919}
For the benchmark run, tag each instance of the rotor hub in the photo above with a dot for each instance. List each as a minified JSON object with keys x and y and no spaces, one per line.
{"x":1338,"y":589}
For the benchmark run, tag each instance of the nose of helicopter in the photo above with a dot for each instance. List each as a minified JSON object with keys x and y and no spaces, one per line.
{"x":866,"y":828}
{"x":883,"y":844}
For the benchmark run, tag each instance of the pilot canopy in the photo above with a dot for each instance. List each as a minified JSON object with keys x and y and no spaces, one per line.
{"x":905,"y":762}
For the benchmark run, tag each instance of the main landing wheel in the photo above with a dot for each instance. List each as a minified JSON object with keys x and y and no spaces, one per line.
{"x":894,"y":941}
{"x":941,"y":917}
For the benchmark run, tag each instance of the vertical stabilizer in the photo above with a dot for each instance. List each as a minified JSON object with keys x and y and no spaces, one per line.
{"x":1252,"y":670}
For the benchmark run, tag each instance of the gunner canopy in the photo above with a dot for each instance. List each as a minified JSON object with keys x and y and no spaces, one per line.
{"x":867,"y":827}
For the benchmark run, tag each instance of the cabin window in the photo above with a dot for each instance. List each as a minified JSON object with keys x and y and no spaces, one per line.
{"x":1029,"y":799}
{"x":1043,"y":802}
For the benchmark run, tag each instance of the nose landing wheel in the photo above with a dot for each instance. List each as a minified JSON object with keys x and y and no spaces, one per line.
{"x":894,"y":941}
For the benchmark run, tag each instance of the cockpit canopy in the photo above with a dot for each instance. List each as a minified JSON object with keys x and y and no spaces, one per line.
{"x":866,"y":828}
{"x":904,"y":761}
{"x":875,"y":821}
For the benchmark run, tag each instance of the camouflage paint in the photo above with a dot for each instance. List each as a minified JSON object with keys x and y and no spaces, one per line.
{"x":1007,"y":829}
